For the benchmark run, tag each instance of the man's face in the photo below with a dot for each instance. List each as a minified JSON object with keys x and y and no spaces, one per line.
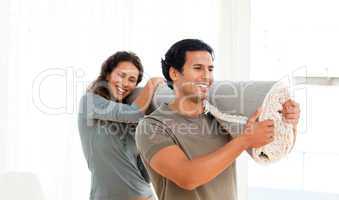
{"x":197,"y":75}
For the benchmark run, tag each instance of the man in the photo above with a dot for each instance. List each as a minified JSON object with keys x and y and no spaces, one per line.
{"x":188,"y":155}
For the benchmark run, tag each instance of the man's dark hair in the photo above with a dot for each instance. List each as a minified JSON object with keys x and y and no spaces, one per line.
{"x":176,"y":56}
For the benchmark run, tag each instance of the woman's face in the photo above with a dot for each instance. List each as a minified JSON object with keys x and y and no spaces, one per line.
{"x":123,"y":80}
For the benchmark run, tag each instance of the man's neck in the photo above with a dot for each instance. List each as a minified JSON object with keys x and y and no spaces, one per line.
{"x":187,"y":107}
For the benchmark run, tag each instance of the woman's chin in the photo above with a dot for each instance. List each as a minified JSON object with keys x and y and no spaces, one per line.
{"x":121,"y":97}
{"x":118,"y":97}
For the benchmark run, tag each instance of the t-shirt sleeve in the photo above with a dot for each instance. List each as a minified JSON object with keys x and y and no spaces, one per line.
{"x":151,"y":136}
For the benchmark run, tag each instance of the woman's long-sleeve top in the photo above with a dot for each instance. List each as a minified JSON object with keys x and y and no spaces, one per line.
{"x":107,"y":135}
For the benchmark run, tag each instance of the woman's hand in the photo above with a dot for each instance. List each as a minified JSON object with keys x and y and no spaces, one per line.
{"x":154,"y":82}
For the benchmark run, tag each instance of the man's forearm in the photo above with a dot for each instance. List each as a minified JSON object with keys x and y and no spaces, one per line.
{"x":202,"y":169}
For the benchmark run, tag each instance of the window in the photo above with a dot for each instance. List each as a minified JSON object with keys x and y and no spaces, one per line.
{"x":300,"y":39}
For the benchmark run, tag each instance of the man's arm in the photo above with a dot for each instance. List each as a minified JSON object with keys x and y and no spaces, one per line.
{"x":172,"y":163}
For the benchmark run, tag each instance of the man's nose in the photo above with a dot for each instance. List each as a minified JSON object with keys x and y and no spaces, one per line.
{"x":207,"y":74}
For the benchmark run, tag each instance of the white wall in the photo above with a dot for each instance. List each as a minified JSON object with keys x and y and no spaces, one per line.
{"x":233,"y":59}
{"x":300,"y":43}
{"x":234,"y":35}
{"x":4,"y":49}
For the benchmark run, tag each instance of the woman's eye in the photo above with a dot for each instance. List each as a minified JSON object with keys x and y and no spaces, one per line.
{"x":133,"y":80}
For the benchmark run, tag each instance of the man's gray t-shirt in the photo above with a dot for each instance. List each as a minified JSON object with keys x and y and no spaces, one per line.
{"x":196,"y":137}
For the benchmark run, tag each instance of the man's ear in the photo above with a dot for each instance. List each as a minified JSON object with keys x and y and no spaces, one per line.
{"x":173,"y":73}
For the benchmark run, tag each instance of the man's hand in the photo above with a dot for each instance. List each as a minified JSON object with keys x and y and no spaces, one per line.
{"x":258,"y":133}
{"x":291,"y":112}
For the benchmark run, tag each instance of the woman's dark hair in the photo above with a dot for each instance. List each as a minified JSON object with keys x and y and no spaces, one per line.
{"x":176,"y":56}
{"x":100,"y":85}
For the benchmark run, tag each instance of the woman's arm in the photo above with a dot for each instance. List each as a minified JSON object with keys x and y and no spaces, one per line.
{"x":97,"y":107}
{"x":144,"y":98}
{"x":100,"y":108}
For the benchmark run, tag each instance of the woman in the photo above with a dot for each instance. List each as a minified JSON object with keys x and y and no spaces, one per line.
{"x":107,"y":126}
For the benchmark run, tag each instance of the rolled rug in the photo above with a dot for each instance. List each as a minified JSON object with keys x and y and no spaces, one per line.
{"x":231,"y":103}
{"x":283,"y":132}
